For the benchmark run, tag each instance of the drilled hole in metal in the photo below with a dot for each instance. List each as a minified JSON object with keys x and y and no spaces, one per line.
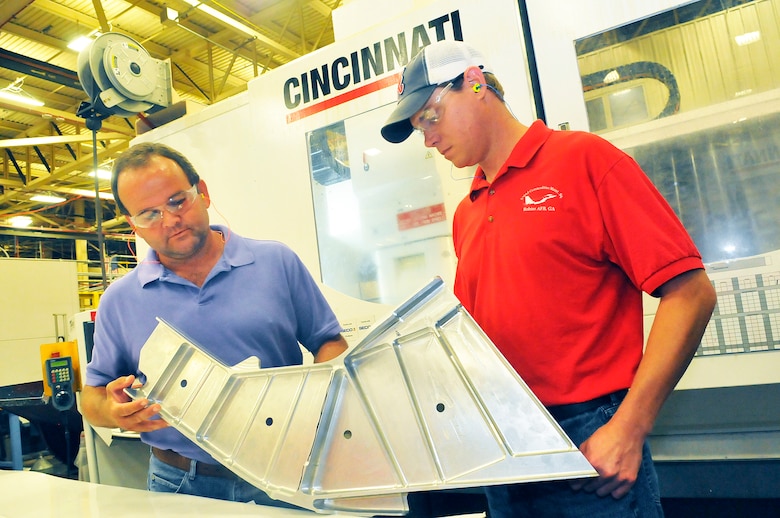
{"x":347,"y":434}
{"x":440,"y":407}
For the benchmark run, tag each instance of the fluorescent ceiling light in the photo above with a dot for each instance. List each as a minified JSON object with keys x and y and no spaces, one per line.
{"x":80,"y":43}
{"x":20,"y":221}
{"x":89,"y":194}
{"x":102,"y":174}
{"x":47,"y":198}
{"x":747,"y":38}
{"x":170,"y":13}
{"x":14,"y":92}
{"x":223,"y":18}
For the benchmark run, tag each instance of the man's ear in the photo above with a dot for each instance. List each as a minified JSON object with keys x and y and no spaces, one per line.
{"x":472,"y":76}
{"x":204,"y":192}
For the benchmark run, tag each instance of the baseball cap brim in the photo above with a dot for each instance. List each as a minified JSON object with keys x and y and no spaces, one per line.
{"x":398,"y":127}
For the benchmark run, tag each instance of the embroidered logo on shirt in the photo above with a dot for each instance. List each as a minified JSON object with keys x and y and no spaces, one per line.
{"x":541,"y":199}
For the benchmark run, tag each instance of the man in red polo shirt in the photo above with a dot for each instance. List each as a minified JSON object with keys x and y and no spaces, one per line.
{"x":557,"y":239}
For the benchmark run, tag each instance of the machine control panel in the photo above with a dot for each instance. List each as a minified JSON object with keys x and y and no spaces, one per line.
{"x":59,"y":376}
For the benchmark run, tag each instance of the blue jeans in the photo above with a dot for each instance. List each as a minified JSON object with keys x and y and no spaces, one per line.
{"x":557,"y":499}
{"x":164,"y":478}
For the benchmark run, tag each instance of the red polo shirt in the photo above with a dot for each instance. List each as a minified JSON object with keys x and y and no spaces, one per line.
{"x":553,"y":257}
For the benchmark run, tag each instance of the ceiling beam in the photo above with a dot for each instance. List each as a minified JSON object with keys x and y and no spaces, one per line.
{"x":320,"y":7}
{"x":60,"y":234}
{"x":35,"y":68}
{"x":59,"y":173}
{"x":10,"y":8}
{"x":264,"y":40}
{"x":60,"y":139}
{"x":184,"y":56}
{"x":264,"y":17}
{"x":72,"y":118}
{"x":155,"y":49}
{"x":101,"y":16}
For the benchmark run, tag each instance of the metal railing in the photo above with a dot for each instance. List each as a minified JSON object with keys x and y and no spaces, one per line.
{"x":90,"y":277}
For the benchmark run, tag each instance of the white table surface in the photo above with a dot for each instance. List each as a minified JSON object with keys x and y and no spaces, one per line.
{"x":29,"y":494}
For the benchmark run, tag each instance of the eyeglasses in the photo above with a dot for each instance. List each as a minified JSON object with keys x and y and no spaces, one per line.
{"x":179,"y":203}
{"x":431,"y":115}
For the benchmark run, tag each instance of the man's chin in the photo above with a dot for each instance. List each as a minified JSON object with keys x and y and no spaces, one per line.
{"x":182,"y":246}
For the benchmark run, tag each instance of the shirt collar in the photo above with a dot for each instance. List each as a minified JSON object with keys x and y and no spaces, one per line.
{"x":525,"y":149}
{"x":235,"y":254}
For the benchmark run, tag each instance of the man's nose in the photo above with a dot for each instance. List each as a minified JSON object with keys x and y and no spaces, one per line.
{"x":430,"y":137}
{"x":169,"y":219}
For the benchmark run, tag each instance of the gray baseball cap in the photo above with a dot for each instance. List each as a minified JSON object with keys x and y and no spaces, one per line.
{"x":435,"y":64}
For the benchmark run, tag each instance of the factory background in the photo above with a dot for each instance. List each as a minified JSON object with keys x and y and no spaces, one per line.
{"x":280,"y":114}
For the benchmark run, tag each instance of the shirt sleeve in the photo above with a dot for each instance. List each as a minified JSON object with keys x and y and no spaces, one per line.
{"x":316,"y":321}
{"x":644,"y":236}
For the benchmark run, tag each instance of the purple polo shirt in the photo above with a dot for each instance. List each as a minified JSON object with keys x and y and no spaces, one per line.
{"x":258,"y":300}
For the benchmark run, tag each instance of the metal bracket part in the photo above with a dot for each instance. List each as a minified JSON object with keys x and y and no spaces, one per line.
{"x":424,"y":402}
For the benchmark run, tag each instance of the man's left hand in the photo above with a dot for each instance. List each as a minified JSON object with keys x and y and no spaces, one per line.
{"x":616,"y":455}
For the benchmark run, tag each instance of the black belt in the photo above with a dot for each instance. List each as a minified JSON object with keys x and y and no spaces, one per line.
{"x":181,"y":462}
{"x":561,"y":412}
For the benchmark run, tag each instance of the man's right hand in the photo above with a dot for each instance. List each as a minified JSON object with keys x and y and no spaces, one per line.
{"x":109,"y":406}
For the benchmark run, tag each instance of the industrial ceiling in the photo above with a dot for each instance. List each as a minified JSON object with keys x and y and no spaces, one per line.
{"x":48,"y":149}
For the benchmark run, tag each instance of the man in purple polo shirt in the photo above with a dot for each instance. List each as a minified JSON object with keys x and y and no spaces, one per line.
{"x":233,"y":296}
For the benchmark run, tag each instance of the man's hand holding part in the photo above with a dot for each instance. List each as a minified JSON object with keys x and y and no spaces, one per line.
{"x":111,"y":407}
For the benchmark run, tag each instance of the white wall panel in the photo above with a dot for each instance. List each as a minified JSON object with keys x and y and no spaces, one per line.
{"x":33,"y":292}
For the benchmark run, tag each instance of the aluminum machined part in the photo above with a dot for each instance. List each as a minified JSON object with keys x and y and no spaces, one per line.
{"x":424,"y":402}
